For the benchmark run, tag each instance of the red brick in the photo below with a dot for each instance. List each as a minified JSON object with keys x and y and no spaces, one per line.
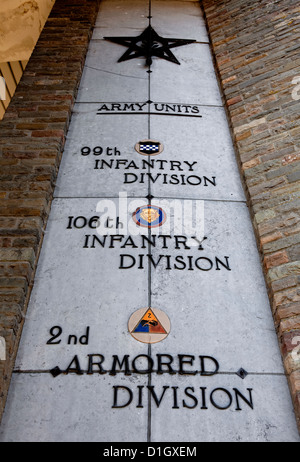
{"x":276,"y":259}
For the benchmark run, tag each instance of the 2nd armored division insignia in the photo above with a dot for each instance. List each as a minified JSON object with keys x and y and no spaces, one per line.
{"x":149,"y":147}
{"x":149,"y":325}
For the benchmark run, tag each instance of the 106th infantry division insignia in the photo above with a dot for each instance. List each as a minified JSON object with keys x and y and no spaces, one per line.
{"x":149,"y":325}
{"x":149,"y":147}
{"x":149,"y":216}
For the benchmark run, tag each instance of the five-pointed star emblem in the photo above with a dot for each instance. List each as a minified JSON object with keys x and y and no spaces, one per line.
{"x":149,"y":44}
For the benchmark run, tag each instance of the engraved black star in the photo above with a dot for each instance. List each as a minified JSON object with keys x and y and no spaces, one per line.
{"x":149,"y":44}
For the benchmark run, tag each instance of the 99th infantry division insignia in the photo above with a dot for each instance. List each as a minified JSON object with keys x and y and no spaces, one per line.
{"x":149,"y":325}
{"x":149,"y":216}
{"x":149,"y":147}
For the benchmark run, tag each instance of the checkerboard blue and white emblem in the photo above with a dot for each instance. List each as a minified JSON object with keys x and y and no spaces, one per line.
{"x":149,"y":147}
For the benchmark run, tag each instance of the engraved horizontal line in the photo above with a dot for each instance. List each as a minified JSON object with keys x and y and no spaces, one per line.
{"x":200,"y":199}
{"x":154,"y":197}
{"x":150,"y":113}
{"x":98,"y":197}
{"x":209,"y":373}
{"x":115,"y":73}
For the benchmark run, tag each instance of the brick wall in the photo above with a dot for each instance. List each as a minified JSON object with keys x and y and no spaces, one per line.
{"x":255,"y":48}
{"x":256,"y":45}
{"x":32,"y":137}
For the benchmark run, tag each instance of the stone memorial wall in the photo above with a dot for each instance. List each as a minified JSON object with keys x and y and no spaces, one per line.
{"x":149,"y":319}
